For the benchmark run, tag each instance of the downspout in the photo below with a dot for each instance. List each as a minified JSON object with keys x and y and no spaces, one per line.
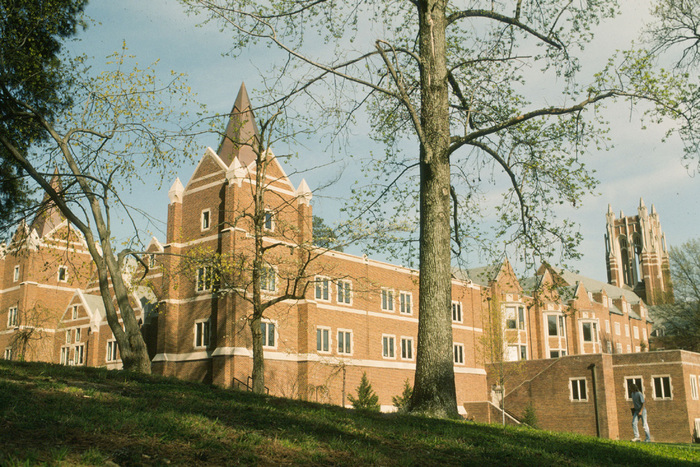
{"x":595,"y":399}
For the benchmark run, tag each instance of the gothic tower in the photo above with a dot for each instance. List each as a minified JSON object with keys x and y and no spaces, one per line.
{"x":636,"y":255}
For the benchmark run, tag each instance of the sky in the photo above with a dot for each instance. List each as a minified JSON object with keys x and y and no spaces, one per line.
{"x":639,"y":165}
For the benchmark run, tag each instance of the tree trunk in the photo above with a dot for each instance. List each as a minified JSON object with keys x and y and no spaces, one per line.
{"x":258,"y":357}
{"x":434,"y":389}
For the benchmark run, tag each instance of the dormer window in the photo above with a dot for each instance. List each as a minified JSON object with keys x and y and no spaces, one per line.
{"x":206,"y":219}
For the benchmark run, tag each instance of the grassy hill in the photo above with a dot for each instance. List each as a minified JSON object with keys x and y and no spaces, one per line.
{"x":55,"y":415}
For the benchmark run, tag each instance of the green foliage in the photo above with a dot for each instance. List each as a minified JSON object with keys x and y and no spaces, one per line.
{"x":366,"y":397}
{"x":530,"y":416}
{"x":401,"y":401}
{"x":324,"y":236}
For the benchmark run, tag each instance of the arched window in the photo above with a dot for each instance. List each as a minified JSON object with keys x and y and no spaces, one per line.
{"x":627,"y":273}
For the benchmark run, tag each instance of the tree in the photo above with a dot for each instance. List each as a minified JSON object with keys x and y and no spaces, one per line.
{"x":449,"y":76}
{"x":119,"y":122}
{"x":401,"y":401}
{"x":366,"y":397}
{"x":680,"y":321}
{"x":31,"y":36}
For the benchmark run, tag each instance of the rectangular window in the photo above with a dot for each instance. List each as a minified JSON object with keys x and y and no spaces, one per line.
{"x":458,"y":351}
{"x":609,"y":346}
{"x":511,"y":322}
{"x":8,"y":354}
{"x":553,"y":354}
{"x":206,"y":219}
{"x":644,"y":333}
{"x":345,"y":342}
{"x":627,"y":330}
{"x":77,"y":335}
{"x":388,"y":346}
{"x":387,"y":300}
{"x":618,"y":347}
{"x":202,"y":330}
{"x":607,"y":326}
{"x":617,"y":329}
{"x":629,"y":380}
{"x":268,"y":333}
{"x":457,"y":312}
{"x":15,"y":274}
{"x":151,"y":261}
{"x":322,"y":288}
{"x":111,"y":351}
{"x":79,"y":354}
{"x":523,"y":352}
{"x":578,"y":389}
{"x":521,"y":318}
{"x":268,"y":279}
{"x":662,"y":387}
{"x":203,"y":279}
{"x":74,"y":313}
{"x":67,"y":337}
{"x":590,"y":331}
{"x":555,"y":325}
{"x":511,"y":354}
{"x":407,"y":348}
{"x":65,"y":354}
{"x":344,"y":292}
{"x":269,"y":220}
{"x":694,"y":387}
{"x":405,"y":302}
{"x":12,"y":317}
{"x":635,"y":332}
{"x":323,"y":340}
{"x":62,"y":274}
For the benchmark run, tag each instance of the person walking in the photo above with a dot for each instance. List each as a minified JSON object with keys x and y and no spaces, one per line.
{"x":637,"y":411}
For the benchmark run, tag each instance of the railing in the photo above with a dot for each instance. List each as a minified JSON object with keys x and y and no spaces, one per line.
{"x":248,"y":385}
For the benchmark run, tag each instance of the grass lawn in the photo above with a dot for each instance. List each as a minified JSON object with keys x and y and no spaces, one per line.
{"x":55,"y":415}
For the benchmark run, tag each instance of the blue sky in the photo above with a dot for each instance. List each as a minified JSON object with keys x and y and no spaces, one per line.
{"x":639,"y":165}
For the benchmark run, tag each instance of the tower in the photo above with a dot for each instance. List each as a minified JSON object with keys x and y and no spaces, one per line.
{"x":636,"y":255}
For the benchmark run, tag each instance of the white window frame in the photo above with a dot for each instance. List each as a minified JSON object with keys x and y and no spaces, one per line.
{"x":522,"y":323}
{"x":458,"y":353}
{"x":63,"y":269}
{"x":618,"y":347}
{"x":344,"y":291}
{"x":407,"y":343}
{"x":644,"y":333}
{"x":627,"y":330}
{"x":265,"y":328}
{"x":635,"y":332}
{"x":593,"y":331}
{"x":205,"y":220}
{"x":79,"y":354}
{"x":664,"y":397}
{"x":12,"y":317}
{"x":607,"y":326}
{"x":694,"y":387}
{"x":65,"y":355}
{"x":152,"y":260}
{"x":74,"y":312}
{"x":617,"y":329}
{"x":322,"y":285}
{"x":387,"y":299}
{"x":609,"y":346}
{"x":347,"y":339}
{"x":203,"y":279}
{"x":8,"y":353}
{"x":268,"y":279}
{"x":112,"y":351}
{"x":202,"y":333}
{"x":269,"y":220}
{"x":457,"y":315}
{"x":76,"y":335}
{"x":577,"y":382}
{"x":68,"y":336}
{"x":405,"y":303}
{"x":15,"y":274}
{"x":512,"y":353}
{"x":510,"y":316}
{"x":389,"y":346}
{"x":320,"y":331}
{"x":635,"y":379}
{"x":520,"y":354}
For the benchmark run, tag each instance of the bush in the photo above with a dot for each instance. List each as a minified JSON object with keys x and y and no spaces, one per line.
{"x":366,"y":397}
{"x":401,"y":402}
{"x":529,"y":416}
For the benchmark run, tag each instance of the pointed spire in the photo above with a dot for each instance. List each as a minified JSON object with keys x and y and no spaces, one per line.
{"x":641,"y":202}
{"x":653,"y":209}
{"x":49,"y":216}
{"x":176,"y":191}
{"x":241,"y":132}
{"x":304,"y":194}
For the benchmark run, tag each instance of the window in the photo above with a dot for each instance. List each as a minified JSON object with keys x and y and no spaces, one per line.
{"x":62,"y":274}
{"x":268,"y":278}
{"x":694,"y":387}
{"x":578,"y":389}
{"x":203,"y":279}
{"x":627,"y":330}
{"x":635,"y":332}
{"x":74,"y":313}
{"x":323,"y":340}
{"x":617,"y":329}
{"x":15,"y":274}
{"x":151,"y":261}
{"x":111,"y":351}
{"x":608,"y":345}
{"x":202,"y":331}
{"x":607,"y":326}
{"x":644,"y":333}
{"x":322,"y":289}
{"x":76,"y":336}
{"x":512,"y":352}
{"x":523,"y":352}
{"x":344,"y":292}
{"x":344,"y":342}
{"x":618,"y":347}
{"x":510,"y":318}
{"x":407,"y":348}
{"x":8,"y":354}
{"x":629,"y":380}
{"x":387,"y":300}
{"x":79,"y":354}
{"x":269,"y":222}
{"x":458,"y":354}
{"x":589,"y":331}
{"x":12,"y":317}
{"x":555,"y":325}
{"x":268,"y":333}
{"x":206,"y":219}
{"x":521,"y":318}
{"x":65,"y":352}
{"x":388,"y":346}
{"x":590,"y":296}
{"x":557,"y":353}
{"x":67,"y":337}
{"x":637,"y":349}
{"x":457,"y":312}
{"x":662,"y":387}
{"x":405,"y":303}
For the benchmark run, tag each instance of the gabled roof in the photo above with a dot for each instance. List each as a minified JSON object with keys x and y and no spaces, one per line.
{"x":592,"y":285}
{"x":241,"y":132}
{"x":49,"y":216}
{"x":483,"y":275}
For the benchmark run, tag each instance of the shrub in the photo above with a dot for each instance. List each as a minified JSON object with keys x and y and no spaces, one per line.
{"x":366,"y":397}
{"x":401,"y":402}
{"x":529,"y":416}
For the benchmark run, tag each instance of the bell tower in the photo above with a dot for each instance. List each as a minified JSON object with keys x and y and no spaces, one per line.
{"x":637,"y":256}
